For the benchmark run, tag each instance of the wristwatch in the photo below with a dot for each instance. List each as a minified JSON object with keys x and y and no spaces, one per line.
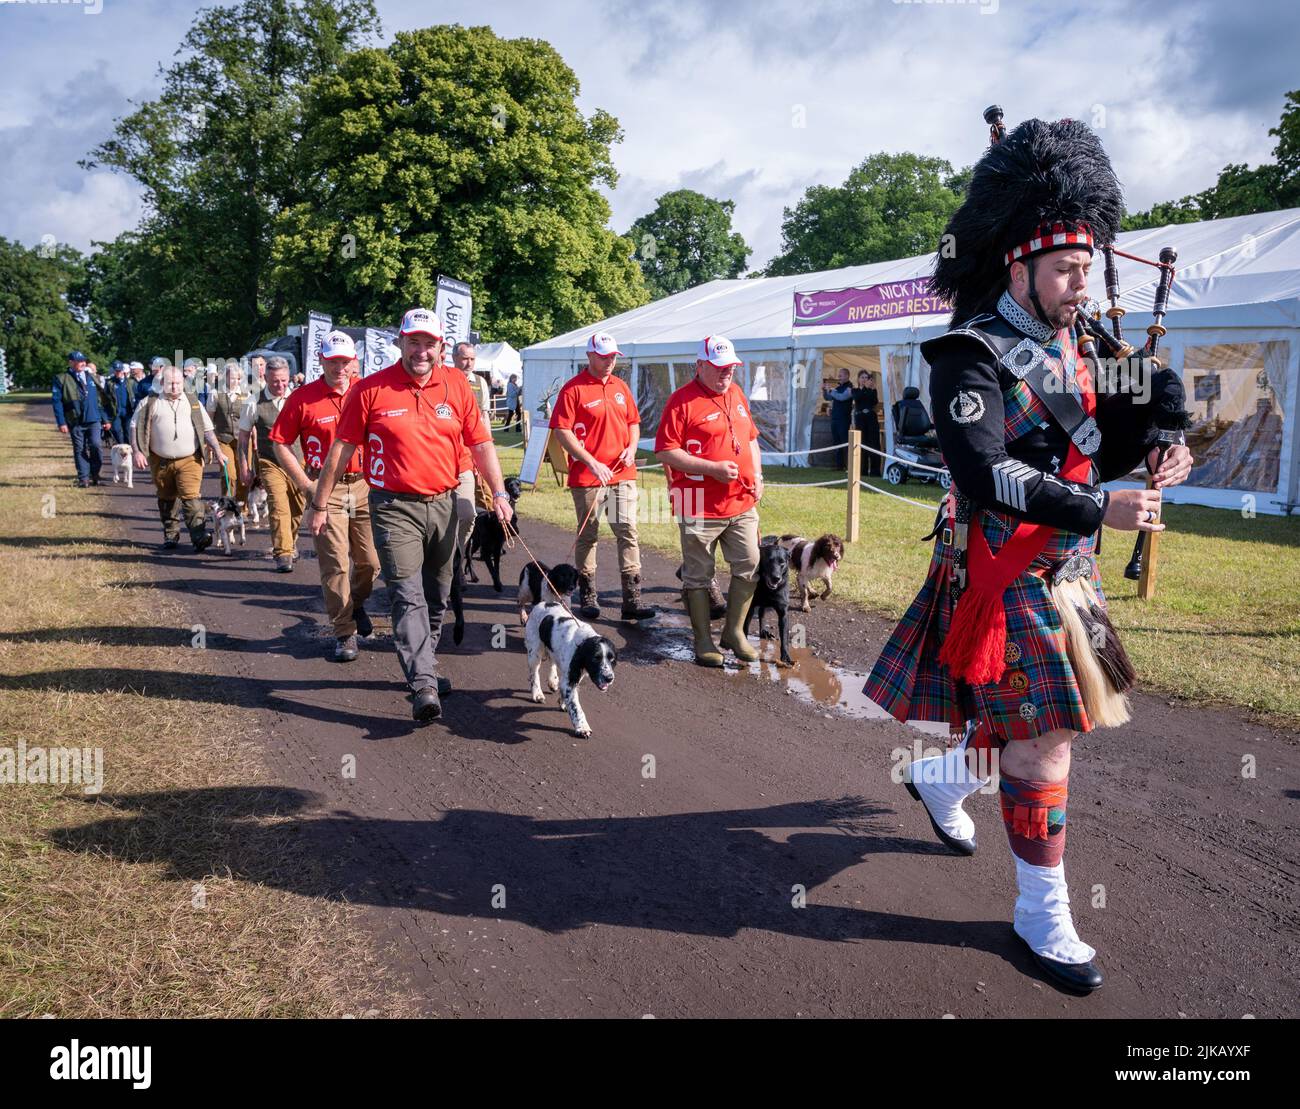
{"x":501,"y":494}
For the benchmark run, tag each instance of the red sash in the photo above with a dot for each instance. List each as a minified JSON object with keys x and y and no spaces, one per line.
{"x":974,"y":649}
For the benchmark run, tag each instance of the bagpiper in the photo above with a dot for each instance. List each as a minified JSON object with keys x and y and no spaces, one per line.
{"x":1008,"y":640}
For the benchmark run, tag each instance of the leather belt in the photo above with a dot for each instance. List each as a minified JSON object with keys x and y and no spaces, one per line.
{"x":349,"y":479}
{"x":421,"y":498}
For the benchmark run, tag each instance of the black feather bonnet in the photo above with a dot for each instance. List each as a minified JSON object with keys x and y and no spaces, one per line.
{"x":1041,"y":174}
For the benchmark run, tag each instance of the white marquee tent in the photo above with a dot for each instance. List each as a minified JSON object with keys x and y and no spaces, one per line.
{"x":1234,"y":335}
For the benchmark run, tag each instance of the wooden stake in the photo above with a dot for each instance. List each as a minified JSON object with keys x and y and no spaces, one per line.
{"x":855,"y":489}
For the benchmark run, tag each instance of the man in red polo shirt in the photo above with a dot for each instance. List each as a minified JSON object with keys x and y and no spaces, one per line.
{"x":311,"y":417}
{"x":597,"y":423}
{"x":707,"y":438}
{"x":412,"y":419}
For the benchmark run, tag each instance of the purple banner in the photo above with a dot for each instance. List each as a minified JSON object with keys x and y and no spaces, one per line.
{"x":887,"y":301}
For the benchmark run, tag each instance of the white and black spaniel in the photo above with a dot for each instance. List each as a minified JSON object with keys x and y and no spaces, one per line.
{"x":571,"y":650}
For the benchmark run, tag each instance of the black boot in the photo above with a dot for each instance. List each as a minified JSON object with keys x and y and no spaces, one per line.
{"x":632,"y":608}
{"x":588,"y":601}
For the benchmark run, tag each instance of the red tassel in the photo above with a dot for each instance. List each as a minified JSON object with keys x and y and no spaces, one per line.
{"x":976,"y":644}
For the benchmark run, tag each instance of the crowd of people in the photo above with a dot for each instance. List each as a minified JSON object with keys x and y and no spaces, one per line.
{"x":1007,"y":641}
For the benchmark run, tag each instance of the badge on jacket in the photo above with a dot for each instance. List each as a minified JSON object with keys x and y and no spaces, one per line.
{"x":966,"y":408}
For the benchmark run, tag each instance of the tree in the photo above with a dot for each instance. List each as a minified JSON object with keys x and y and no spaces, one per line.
{"x":891,"y":206}
{"x":686,"y":241}
{"x":216,"y":155}
{"x":38,"y":326}
{"x":454,"y":151}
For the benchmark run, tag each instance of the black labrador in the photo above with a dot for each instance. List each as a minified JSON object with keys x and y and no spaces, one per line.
{"x":773,"y":593}
{"x":487,"y":538}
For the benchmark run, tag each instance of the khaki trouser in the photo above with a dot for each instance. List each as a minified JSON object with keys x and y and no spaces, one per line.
{"x":347,"y":538}
{"x":179,"y":478}
{"x":464,"y":506}
{"x":240,"y":489}
{"x":415,"y":541}
{"x":286,"y":503}
{"x":738,"y":536}
{"x":617,"y":503}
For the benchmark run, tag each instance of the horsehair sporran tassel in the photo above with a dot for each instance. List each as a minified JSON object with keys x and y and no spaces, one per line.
{"x":1105,"y":705}
{"x":1107,"y":643}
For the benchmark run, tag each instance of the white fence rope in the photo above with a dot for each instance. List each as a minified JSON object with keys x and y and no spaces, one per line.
{"x":802,"y":484}
{"x":813,"y":450}
{"x":907,"y":461}
{"x":907,"y":500}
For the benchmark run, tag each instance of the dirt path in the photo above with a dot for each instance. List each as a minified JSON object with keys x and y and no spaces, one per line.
{"x":672,"y":895}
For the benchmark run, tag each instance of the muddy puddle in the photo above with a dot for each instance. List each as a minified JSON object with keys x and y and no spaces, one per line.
{"x":831,"y":689}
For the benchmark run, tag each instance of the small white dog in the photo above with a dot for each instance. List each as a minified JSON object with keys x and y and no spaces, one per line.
{"x":123,"y":465}
{"x":256,"y":503}
{"x":570,"y":649}
{"x":227,"y":523}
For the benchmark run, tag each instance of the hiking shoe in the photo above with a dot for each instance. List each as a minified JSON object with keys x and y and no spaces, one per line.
{"x":425,"y":705}
{"x":345,"y":649}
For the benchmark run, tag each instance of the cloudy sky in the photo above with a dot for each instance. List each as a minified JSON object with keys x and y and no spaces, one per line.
{"x":752,"y":101}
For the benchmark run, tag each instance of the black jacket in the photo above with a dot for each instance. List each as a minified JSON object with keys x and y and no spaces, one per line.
{"x":1021,"y":477}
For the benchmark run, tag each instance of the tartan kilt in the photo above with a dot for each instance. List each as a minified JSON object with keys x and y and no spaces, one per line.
{"x":1037,"y":693}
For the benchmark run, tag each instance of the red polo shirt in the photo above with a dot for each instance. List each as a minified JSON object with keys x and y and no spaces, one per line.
{"x":311,"y":415}
{"x":413,"y":435}
{"x":702,"y":422}
{"x":599,"y":413}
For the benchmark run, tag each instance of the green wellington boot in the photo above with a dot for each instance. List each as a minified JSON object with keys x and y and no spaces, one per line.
{"x":706,"y":651}
{"x":739,"y":595}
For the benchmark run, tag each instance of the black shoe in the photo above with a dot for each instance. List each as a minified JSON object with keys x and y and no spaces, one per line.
{"x":444,"y":686}
{"x":202,"y":543}
{"x":425,"y":705}
{"x":171,"y":544}
{"x":365,"y":628}
{"x":1079,"y":978}
{"x":83,"y":483}
{"x":957,"y":846}
{"x":95,"y":480}
{"x":345,"y":649}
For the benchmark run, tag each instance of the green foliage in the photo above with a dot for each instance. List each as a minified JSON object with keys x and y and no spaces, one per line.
{"x":454,"y":151}
{"x":216,"y":154}
{"x":891,"y":206}
{"x":686,"y":241}
{"x":38,"y":326}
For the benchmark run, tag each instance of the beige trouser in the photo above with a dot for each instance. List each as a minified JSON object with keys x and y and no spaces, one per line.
{"x":179,"y":479}
{"x":347,"y":538}
{"x":738,"y":536}
{"x":620,"y":509}
{"x":240,"y":489}
{"x":286,"y":502}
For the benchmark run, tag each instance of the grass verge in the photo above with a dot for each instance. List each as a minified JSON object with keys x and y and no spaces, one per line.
{"x":147,"y":899}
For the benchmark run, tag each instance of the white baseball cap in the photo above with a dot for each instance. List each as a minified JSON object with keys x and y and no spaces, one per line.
{"x":137,"y":365}
{"x":338,"y":344}
{"x":602,"y":343}
{"x":420,"y":321}
{"x":718,"y":350}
